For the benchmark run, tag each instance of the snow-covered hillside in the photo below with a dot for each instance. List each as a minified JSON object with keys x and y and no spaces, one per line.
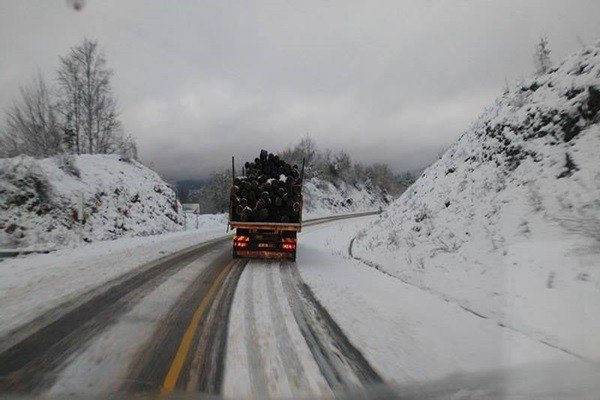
{"x":507,"y":222}
{"x":41,"y":201}
{"x":323,"y":198}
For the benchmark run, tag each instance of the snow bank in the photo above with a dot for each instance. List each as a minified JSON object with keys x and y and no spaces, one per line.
{"x":507,"y":223}
{"x":68,"y":200}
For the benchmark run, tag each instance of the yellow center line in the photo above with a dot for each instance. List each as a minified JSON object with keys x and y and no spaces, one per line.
{"x":186,"y":341}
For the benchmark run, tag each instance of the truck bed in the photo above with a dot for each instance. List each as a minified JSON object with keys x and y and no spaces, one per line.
{"x":281,"y":226}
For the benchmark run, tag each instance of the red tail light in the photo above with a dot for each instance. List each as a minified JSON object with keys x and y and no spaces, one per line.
{"x":240,"y":241}
{"x":288,"y":243}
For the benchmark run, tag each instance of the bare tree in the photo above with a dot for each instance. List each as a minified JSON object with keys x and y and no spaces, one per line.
{"x":342,"y":165}
{"x":127,"y":146}
{"x":541,"y":56}
{"x":381,"y":175}
{"x":87,"y":101}
{"x":305,"y":150}
{"x":70,"y":106}
{"x":31,"y":123}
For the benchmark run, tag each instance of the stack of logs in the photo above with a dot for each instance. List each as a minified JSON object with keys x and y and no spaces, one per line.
{"x":270,"y":190}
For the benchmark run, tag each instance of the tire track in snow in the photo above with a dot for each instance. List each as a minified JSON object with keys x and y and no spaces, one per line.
{"x":147,"y":271}
{"x":341,"y":364}
{"x":293,"y":367}
{"x":208,"y":364}
{"x":204,"y":370}
{"x":151,"y":365}
{"x":33,"y":363}
{"x":258,"y":380}
{"x":31,"y":356}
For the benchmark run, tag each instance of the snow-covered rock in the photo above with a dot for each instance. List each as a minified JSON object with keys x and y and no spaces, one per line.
{"x":68,"y":200}
{"x":507,"y":222}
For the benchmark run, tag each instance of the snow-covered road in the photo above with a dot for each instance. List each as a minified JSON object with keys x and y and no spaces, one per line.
{"x":408,"y":334}
{"x":195,"y":320}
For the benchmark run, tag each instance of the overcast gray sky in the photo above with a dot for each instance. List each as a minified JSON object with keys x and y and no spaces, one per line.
{"x":389,"y":81}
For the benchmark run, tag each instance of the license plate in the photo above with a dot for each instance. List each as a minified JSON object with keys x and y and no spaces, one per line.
{"x":265,"y":245}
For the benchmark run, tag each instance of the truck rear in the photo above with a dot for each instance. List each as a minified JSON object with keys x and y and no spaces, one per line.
{"x":266,"y":208}
{"x":265,"y":240}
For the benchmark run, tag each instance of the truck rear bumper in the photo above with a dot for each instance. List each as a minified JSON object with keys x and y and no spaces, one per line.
{"x":271,"y":226}
{"x":263,"y":254}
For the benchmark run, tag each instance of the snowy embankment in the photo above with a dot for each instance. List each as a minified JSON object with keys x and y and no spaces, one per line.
{"x":322,"y":198}
{"x":507,"y":223}
{"x":408,"y":334}
{"x":70,"y":200}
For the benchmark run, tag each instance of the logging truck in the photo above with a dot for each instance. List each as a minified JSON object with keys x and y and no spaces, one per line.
{"x":266,"y":208}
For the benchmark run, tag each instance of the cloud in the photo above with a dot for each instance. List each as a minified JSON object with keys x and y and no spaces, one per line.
{"x":391,"y":81}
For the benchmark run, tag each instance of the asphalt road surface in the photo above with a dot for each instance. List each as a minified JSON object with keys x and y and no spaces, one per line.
{"x":166,"y":327}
